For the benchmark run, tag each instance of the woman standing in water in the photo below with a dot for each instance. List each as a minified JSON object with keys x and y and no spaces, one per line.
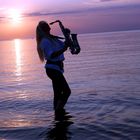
{"x":51,"y":50}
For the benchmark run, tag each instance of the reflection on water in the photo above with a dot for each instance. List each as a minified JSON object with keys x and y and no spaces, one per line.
{"x":60,"y":130}
{"x":22,"y":95}
{"x":20,"y":121}
{"x":17,"y":44}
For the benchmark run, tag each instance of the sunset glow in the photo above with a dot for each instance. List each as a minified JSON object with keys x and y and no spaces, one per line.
{"x":18,"y":19}
{"x":14,"y":16}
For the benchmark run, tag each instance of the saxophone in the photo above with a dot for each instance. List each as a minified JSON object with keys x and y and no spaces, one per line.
{"x":70,"y":38}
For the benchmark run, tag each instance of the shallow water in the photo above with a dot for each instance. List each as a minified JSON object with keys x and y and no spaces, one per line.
{"x":104,"y":79}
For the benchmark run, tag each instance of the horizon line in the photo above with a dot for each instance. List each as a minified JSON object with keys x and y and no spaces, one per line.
{"x":99,"y":32}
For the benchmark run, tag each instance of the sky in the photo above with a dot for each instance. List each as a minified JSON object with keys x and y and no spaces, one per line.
{"x":19,"y":18}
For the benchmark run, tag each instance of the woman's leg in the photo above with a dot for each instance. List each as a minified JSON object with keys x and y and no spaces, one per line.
{"x":60,"y":87}
{"x":65,"y":90}
{"x":57,"y":93}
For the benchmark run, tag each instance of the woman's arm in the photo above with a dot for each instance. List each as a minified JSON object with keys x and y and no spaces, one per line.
{"x":57,"y":53}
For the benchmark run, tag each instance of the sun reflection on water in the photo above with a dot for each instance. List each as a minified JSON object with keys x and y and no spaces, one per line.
{"x":19,"y":120}
{"x":17,"y":44}
{"x":22,"y":95}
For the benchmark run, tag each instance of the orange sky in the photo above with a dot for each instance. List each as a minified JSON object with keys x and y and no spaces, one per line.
{"x":19,"y":20}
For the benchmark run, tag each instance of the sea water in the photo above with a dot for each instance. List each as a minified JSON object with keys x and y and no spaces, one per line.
{"x":105,"y":83}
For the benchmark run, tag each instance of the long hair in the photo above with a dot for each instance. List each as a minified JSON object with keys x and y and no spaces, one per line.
{"x":38,"y":40}
{"x":42,"y":27}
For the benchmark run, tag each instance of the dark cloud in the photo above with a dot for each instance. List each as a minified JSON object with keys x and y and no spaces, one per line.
{"x":78,"y":11}
{"x":2,"y":18}
{"x":34,"y":14}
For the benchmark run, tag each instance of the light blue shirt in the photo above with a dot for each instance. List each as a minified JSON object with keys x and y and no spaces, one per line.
{"x":49,"y":45}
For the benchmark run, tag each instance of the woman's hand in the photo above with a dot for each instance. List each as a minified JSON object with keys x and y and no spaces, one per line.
{"x":66,"y":44}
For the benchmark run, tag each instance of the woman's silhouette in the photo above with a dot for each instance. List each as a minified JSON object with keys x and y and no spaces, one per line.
{"x":51,"y":49}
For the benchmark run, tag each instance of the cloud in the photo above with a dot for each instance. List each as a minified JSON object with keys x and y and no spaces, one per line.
{"x":2,"y":18}
{"x":105,"y":0}
{"x":34,"y":14}
{"x":84,"y":10}
{"x":109,"y":2}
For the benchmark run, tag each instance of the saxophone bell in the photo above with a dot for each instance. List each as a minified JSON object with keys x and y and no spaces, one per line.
{"x":75,"y":44}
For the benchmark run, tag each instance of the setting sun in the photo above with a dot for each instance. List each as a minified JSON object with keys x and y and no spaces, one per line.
{"x":15,"y":16}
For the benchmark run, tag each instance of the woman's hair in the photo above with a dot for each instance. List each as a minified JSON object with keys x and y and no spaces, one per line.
{"x":41,"y":30}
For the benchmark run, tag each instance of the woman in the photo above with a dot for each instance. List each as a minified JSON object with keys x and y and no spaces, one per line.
{"x":51,"y":50}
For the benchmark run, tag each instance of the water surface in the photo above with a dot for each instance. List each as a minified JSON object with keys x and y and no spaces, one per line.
{"x":104,"y":79}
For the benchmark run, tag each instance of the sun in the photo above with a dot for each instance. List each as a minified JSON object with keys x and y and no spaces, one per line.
{"x":15,"y":16}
